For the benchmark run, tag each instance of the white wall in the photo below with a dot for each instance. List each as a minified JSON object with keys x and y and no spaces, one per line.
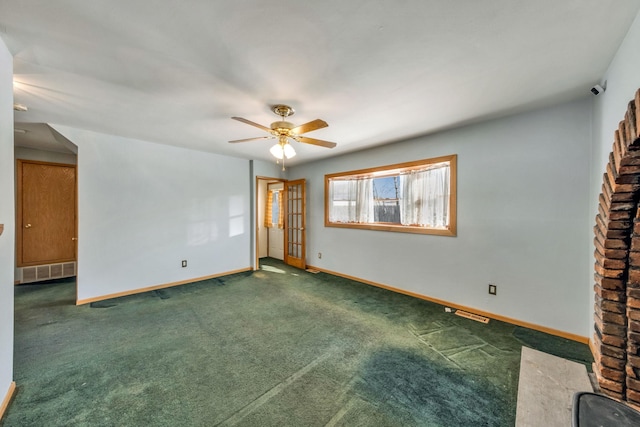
{"x":7,"y":217}
{"x":623,"y":80}
{"x":267,"y":169}
{"x":45,"y":156}
{"x":523,"y":206}
{"x":144,"y":207}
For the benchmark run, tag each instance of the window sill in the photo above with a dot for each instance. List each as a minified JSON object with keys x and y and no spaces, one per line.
{"x":451,"y":232}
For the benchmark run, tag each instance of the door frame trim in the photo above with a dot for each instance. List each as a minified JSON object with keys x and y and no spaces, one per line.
{"x":256,"y":265}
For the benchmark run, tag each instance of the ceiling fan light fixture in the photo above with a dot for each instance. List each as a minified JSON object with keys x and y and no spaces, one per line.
{"x":281,"y":150}
{"x":277,"y":151}
{"x":289,"y":152}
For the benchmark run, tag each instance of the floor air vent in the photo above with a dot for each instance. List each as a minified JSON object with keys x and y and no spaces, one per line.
{"x":39,"y":273}
{"x":472,"y":316}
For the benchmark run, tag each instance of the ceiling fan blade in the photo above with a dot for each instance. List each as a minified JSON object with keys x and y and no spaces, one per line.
{"x":308,"y":127}
{"x":314,"y":141}
{"x":249,"y":122}
{"x":250,"y":139}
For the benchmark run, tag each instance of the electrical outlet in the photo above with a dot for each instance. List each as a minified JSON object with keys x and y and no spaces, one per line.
{"x":184,"y":263}
{"x":319,"y":255}
{"x":493,"y":289}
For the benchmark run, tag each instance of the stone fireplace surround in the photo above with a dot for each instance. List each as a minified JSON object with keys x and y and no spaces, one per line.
{"x":616,"y":339}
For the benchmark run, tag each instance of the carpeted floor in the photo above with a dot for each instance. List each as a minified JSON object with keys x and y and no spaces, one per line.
{"x":275,"y":347}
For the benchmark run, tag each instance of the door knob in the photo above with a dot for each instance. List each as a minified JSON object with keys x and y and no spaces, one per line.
{"x":74,"y":238}
{"x":27,"y":226}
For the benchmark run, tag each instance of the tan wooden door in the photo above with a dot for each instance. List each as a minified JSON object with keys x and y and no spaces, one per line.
{"x":294,"y":225}
{"x":46,"y":222}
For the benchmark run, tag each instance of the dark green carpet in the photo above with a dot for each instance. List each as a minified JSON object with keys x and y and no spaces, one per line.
{"x":276,"y":347}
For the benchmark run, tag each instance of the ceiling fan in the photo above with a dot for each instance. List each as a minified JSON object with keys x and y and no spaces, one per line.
{"x":283,"y":130}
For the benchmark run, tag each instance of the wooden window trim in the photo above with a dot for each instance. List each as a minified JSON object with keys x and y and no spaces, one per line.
{"x":398,"y":168}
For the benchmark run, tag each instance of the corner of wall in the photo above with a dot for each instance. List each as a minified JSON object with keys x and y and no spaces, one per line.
{"x":7,"y":217}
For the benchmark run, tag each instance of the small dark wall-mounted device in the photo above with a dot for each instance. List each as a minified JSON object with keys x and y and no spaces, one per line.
{"x":597,"y":90}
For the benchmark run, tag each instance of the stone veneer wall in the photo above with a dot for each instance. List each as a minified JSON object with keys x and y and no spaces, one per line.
{"x":616,"y":340}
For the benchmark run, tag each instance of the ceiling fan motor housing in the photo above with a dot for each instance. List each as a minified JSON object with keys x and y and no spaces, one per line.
{"x":282,"y":125}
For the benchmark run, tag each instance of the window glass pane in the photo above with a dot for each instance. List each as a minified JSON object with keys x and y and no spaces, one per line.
{"x":386,"y":199}
{"x":275,"y":208}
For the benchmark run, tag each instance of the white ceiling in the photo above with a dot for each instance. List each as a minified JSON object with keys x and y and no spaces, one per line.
{"x":174,"y":72}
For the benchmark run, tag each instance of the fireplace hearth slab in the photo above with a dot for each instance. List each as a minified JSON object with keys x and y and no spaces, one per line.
{"x":546,"y":387}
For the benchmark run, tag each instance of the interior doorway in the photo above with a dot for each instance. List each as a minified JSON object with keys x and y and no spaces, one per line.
{"x":266,"y":235}
{"x":280,"y":220}
{"x":274,"y":220}
{"x":46,"y":220}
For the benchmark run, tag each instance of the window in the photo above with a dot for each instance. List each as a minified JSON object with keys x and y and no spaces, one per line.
{"x":413,"y":197}
{"x":274,"y":214}
{"x":275,"y":209}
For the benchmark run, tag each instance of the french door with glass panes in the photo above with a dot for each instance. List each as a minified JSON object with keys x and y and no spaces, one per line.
{"x":294,"y":225}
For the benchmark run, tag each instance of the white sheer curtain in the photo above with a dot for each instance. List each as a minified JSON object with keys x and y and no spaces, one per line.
{"x":351,"y":201}
{"x":424,"y":197}
{"x":364,"y":200}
